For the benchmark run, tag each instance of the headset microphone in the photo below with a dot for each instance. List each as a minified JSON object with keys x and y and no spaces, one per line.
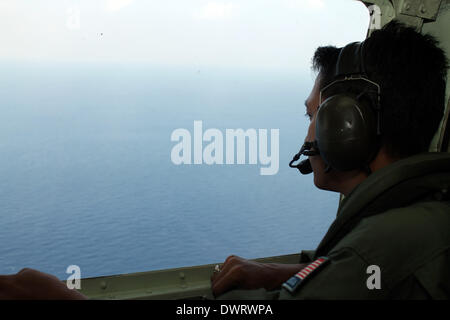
{"x":305,"y":166}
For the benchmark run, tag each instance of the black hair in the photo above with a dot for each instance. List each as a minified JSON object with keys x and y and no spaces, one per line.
{"x":411,"y":70}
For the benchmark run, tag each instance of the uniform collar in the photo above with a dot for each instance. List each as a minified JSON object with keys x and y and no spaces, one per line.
{"x":397,"y":185}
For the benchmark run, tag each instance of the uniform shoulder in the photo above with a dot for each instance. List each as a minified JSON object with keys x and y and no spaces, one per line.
{"x":417,"y":222}
{"x":401,"y":240}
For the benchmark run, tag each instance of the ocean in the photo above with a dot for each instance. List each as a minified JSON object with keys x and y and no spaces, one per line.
{"x":86,"y":176}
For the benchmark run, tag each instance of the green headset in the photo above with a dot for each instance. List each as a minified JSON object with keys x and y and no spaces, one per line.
{"x":347,"y":125}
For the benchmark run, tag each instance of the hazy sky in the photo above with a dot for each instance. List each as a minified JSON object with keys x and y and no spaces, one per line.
{"x":242,"y":33}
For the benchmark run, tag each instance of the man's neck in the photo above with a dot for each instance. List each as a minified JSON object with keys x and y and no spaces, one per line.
{"x":381,"y":160}
{"x":352,"y":183}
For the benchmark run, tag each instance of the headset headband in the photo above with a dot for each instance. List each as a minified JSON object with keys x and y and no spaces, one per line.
{"x":350,"y":60}
{"x":350,"y":67}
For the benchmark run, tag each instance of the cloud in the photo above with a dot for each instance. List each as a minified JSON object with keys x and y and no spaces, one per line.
{"x":216,"y":10}
{"x":116,"y":5}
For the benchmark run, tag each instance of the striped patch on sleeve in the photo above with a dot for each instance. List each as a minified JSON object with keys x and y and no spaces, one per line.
{"x":295,"y":281}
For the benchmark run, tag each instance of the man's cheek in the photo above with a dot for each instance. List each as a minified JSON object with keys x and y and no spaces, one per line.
{"x":318,"y":167}
{"x":315,"y":162}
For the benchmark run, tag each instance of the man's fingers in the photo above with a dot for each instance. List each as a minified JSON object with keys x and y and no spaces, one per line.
{"x":224,"y":268}
{"x":230,"y":258}
{"x":224,"y":282}
{"x":218,"y":276}
{"x":228,"y":276}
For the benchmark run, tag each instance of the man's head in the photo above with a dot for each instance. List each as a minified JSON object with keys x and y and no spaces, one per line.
{"x":411,"y":71}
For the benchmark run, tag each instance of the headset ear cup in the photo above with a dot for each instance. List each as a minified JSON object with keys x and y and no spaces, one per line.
{"x":345,"y":132}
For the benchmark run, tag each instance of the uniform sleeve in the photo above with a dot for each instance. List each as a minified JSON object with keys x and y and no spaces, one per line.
{"x":344,"y":276}
{"x":307,"y":256}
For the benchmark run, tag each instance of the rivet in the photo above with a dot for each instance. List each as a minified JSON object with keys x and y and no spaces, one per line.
{"x":103,"y":285}
{"x":182,"y":276}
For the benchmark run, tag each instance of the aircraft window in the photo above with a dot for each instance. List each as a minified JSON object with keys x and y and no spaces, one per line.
{"x":102,"y":100}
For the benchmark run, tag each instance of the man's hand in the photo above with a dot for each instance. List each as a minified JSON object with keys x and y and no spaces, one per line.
{"x":35,"y":285}
{"x":239,"y":273}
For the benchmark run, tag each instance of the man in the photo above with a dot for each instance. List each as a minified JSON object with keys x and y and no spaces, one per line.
{"x":395,"y":219}
{"x":391,"y":237}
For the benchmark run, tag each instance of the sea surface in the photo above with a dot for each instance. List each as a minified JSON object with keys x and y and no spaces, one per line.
{"x":86,"y":176}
